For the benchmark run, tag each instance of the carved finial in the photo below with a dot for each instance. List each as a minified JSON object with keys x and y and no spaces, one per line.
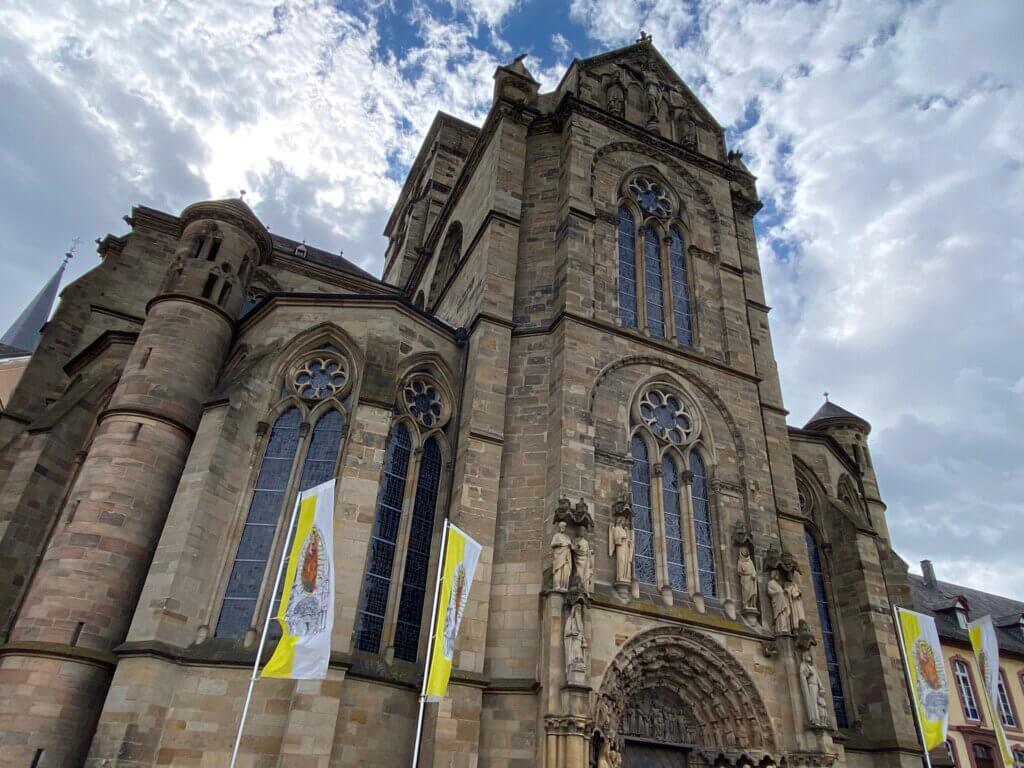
{"x":241,"y":195}
{"x":644,"y":37}
{"x":826,"y":396}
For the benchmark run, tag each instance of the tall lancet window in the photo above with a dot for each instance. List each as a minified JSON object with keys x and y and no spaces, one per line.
{"x":292,"y":462}
{"x":702,"y":526}
{"x":674,"y":545}
{"x":392,"y":603}
{"x":654,"y":276}
{"x":627,"y":267}
{"x":680,"y":289}
{"x":643,"y":523}
{"x":828,"y":638}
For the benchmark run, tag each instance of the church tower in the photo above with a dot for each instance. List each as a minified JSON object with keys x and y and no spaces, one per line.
{"x":84,"y":592}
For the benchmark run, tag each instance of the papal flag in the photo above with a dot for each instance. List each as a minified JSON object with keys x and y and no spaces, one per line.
{"x":459,"y":564}
{"x":306,"y":612}
{"x":928,"y":684}
{"x":986,"y":651}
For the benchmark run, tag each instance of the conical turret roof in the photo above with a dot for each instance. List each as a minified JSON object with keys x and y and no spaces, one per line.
{"x":829,"y":412}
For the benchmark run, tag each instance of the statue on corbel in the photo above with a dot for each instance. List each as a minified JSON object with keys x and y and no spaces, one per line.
{"x":746,"y":570}
{"x":572,"y":555}
{"x":621,"y":543}
{"x":784,"y":592}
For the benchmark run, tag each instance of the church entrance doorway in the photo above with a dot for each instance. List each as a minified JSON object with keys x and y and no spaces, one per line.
{"x":639,"y":754}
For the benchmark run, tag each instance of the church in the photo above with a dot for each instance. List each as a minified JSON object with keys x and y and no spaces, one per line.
{"x":569,"y":357}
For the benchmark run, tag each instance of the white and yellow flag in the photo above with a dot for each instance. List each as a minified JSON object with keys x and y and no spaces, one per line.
{"x":929,"y":689}
{"x":306,"y":613}
{"x":460,"y":558}
{"x":986,"y":651}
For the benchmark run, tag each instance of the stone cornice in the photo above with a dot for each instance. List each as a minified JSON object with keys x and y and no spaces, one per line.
{"x":147,"y":414}
{"x":97,"y":346}
{"x":191,"y":300}
{"x":103,"y":659}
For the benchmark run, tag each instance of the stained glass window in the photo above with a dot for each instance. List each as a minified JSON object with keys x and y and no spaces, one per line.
{"x":377,"y":584}
{"x":827,"y":634}
{"x":260,"y":525}
{"x":673,"y":525}
{"x":652,"y":282}
{"x":627,"y":268}
{"x":417,"y":558}
{"x":317,"y":467}
{"x":253,"y":297}
{"x":702,"y":529}
{"x":680,"y":290}
{"x":643,"y":524}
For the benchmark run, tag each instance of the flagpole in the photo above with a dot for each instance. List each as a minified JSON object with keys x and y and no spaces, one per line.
{"x":430,"y":646}
{"x":266,"y":627}
{"x":910,"y":682}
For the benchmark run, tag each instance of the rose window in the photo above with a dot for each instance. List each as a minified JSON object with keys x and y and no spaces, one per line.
{"x":320,"y":377}
{"x":666,"y":416}
{"x":424,"y":402}
{"x":650,"y":196}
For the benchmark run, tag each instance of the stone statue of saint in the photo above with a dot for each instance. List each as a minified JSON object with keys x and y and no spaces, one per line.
{"x":748,"y":579}
{"x":796,"y":601}
{"x":687,"y":129}
{"x":781,"y":617}
{"x":561,"y":558}
{"x":615,"y":101}
{"x":609,"y":756}
{"x":813,"y":691}
{"x":655,"y":101}
{"x":583,"y":556}
{"x":575,"y":640}
{"x":620,"y":546}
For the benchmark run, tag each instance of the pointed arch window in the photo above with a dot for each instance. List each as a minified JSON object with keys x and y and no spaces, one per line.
{"x":702,"y":526}
{"x":654,"y":280}
{"x":828,"y":638}
{"x":643,"y":522}
{"x":392,"y":601}
{"x":273,"y":494}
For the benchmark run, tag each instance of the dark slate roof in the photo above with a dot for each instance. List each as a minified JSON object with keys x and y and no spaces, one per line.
{"x":828,"y":411}
{"x":324,"y":258}
{"x":940,"y":601}
{"x":7,"y":351}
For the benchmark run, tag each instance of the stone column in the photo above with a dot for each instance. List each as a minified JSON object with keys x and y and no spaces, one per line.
{"x":85,"y":590}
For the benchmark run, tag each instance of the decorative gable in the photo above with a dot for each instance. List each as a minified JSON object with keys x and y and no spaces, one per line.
{"x":637,"y":85}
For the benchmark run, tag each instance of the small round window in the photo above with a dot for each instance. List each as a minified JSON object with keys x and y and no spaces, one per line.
{"x":650,"y":197}
{"x":320,"y":377}
{"x":424,"y":402}
{"x":666,"y":415}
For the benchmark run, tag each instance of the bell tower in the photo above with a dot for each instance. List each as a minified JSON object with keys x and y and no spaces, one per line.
{"x":82,"y":597}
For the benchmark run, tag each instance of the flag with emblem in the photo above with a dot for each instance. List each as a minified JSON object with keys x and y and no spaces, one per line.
{"x":929,"y":688}
{"x":986,"y":651}
{"x":306,"y":612}
{"x":461,"y":554}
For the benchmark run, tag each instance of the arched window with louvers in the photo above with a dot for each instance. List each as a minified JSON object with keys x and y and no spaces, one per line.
{"x":655,"y":292}
{"x":390,"y":617}
{"x":300,"y":447}
{"x":674,"y":520}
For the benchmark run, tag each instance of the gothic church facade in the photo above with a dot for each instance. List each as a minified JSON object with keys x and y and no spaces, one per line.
{"x":569,"y":357}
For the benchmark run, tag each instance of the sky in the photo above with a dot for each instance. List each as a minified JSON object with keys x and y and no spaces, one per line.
{"x":885,"y":136}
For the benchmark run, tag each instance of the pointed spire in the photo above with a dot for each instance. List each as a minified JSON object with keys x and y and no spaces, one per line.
{"x":24,"y":332}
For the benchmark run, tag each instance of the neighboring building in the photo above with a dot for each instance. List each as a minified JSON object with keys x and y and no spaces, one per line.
{"x":12,"y":365}
{"x":972,"y":740}
{"x":570,"y":329}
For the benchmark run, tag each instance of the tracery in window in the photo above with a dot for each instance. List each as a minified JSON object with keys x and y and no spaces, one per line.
{"x":827,"y":633}
{"x":966,"y":690}
{"x":666,"y":415}
{"x":253,"y":296}
{"x":654,"y":289}
{"x":390,"y":612}
{"x":674,"y":545}
{"x":320,"y":376}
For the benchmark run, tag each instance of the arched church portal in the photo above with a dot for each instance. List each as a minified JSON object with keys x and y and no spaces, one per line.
{"x":674,"y":698}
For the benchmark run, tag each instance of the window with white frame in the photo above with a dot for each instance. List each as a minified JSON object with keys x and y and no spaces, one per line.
{"x":673,"y":514}
{"x":966,"y":690}
{"x":654,"y":276}
{"x":1006,"y":713}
